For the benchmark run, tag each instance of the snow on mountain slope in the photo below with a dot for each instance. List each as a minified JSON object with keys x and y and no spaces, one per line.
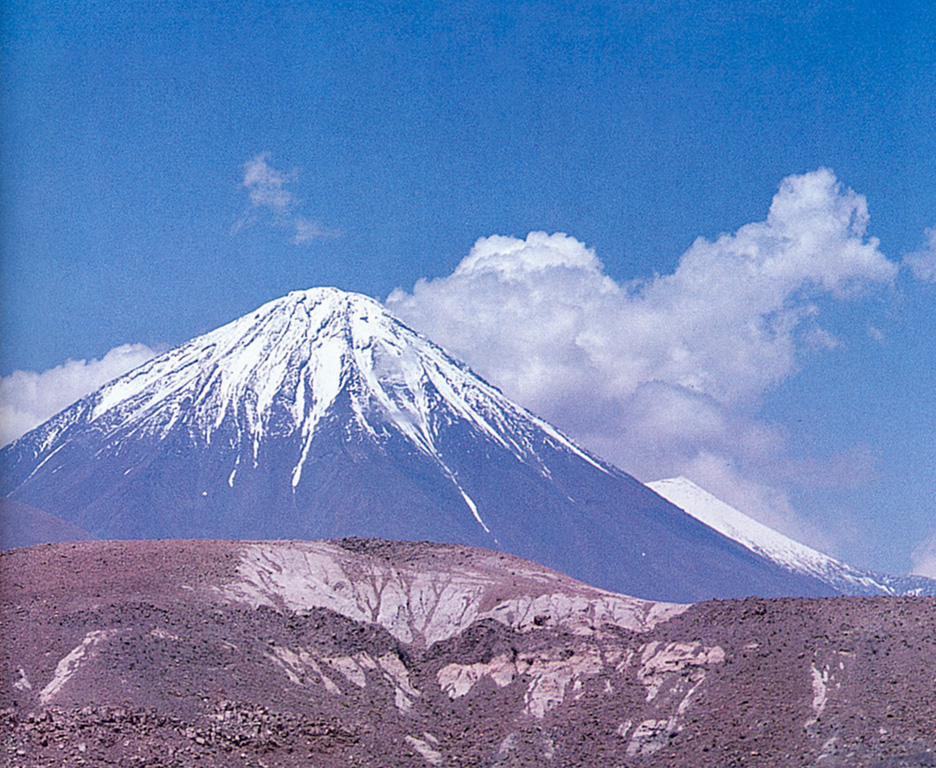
{"x":779,"y":548}
{"x":301,"y":352}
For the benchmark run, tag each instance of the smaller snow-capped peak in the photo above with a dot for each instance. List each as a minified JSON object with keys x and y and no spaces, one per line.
{"x":769,"y":543}
{"x":734,"y":524}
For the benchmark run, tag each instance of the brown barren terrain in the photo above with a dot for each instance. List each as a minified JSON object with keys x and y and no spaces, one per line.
{"x":374,"y":653}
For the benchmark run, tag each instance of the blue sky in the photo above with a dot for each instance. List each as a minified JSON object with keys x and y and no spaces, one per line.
{"x":168,"y":167}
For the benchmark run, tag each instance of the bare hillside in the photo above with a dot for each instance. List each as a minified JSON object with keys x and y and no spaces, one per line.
{"x":375,"y":653}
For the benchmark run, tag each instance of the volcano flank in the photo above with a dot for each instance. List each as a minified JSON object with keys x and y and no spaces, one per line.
{"x":319,"y":415}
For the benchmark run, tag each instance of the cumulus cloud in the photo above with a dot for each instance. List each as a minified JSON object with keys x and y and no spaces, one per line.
{"x":663,"y":376}
{"x":271,"y":199}
{"x":923,"y":262}
{"x":28,"y":398}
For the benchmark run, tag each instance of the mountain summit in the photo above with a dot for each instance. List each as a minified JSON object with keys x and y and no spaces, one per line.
{"x":319,"y":415}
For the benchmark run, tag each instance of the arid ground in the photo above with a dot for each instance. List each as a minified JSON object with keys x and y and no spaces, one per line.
{"x":374,"y":653}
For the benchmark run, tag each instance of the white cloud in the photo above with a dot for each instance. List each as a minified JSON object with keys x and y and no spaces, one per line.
{"x":923,"y":262}
{"x":923,"y":558}
{"x":266,"y":185}
{"x":268,"y":195}
{"x":307,"y":231}
{"x":28,"y":398}
{"x":663,"y":376}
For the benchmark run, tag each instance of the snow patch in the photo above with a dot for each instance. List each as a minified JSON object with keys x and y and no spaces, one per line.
{"x":659,"y":662}
{"x":22,"y":682}
{"x":820,"y":687}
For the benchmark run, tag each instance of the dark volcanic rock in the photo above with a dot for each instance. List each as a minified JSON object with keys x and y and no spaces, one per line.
{"x":378,"y":653}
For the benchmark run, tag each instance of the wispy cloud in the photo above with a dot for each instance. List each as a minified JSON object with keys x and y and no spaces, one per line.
{"x":270,"y":199}
{"x":28,"y":398}
{"x":267,"y":186}
{"x":665,"y":376}
{"x":924,"y":558}
{"x":307,"y":231}
{"x":923,"y":261}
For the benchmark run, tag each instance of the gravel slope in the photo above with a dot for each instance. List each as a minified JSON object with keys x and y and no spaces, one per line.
{"x":375,"y":653}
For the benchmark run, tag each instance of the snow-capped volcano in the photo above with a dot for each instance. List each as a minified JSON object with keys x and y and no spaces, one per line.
{"x":280,"y":371}
{"x":781,"y":549}
{"x":319,"y":415}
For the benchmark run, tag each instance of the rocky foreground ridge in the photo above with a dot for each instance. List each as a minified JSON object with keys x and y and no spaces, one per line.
{"x":376,"y":653}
